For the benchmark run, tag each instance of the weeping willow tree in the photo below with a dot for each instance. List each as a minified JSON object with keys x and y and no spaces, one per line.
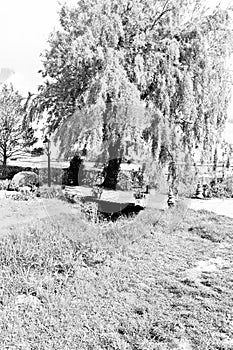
{"x":154,"y":70}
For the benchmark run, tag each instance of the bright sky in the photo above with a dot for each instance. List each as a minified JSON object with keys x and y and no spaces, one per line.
{"x":24,"y":29}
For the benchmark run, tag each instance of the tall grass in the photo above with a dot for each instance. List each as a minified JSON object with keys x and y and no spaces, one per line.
{"x":71,"y":284}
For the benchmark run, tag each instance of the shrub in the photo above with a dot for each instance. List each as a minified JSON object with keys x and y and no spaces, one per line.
{"x":56,"y":176}
{"x":222,"y":189}
{"x":155,"y":176}
{"x":9,"y":171}
{"x":124,"y":181}
{"x":51,"y":192}
{"x":38,"y":151}
{"x":5,"y":184}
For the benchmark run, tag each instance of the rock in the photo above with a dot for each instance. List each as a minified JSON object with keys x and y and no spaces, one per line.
{"x":25,"y":189}
{"x":184,"y":344}
{"x":25,"y":178}
{"x":27,"y":300}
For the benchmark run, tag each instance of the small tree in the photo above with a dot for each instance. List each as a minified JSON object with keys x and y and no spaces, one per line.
{"x":16,"y":134}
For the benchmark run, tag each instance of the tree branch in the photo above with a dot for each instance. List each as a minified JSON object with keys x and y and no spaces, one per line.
{"x":15,"y":152}
{"x":163,"y":12}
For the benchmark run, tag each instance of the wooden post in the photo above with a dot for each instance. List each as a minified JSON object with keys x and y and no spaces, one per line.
{"x":48,"y":152}
{"x":49,"y":167}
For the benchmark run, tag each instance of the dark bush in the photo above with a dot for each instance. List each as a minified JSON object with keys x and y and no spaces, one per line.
{"x":39,"y":151}
{"x":10,"y":171}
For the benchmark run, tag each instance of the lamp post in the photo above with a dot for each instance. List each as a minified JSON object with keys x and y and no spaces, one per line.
{"x":48,"y":152}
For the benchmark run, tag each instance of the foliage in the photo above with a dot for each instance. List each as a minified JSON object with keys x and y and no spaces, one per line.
{"x":10,"y":171}
{"x":155,"y":176}
{"x":19,"y":196}
{"x":55,"y":173}
{"x":16,"y":134}
{"x":51,"y":192}
{"x":142,"y":75}
{"x":89,"y":177}
{"x":222,"y":189}
{"x":5,"y":184}
{"x":124,"y":181}
{"x":37,"y":151}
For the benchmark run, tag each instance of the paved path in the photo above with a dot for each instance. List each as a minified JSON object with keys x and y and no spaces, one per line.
{"x":218,"y":206}
{"x":159,"y":200}
{"x":154,"y":200}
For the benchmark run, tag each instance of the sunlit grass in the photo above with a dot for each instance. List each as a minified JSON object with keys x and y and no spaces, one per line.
{"x":70,"y":284}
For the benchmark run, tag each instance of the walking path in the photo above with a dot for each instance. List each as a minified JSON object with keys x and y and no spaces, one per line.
{"x":157,"y":200}
{"x":218,"y":206}
{"x":14,"y":213}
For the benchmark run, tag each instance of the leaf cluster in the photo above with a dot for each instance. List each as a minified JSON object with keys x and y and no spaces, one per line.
{"x":159,"y":66}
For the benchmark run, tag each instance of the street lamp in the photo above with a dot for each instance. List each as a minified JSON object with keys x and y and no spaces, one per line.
{"x":48,"y":152}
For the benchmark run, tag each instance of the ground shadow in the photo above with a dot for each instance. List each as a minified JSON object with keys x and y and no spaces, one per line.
{"x":111,"y":211}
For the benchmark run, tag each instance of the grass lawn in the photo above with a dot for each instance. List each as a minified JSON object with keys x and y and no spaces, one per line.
{"x":161,"y":281}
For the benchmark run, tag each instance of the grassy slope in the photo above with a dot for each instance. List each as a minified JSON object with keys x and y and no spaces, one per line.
{"x":71,"y":285}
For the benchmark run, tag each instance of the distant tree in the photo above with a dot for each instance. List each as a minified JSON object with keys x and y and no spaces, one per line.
{"x":16,"y":134}
{"x":37,"y":151}
{"x":155,"y":68}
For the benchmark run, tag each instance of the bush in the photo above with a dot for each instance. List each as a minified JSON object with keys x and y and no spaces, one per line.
{"x":5,"y":184}
{"x":89,"y":177}
{"x":51,"y":192}
{"x":124,"y":181}
{"x":39,"y":151}
{"x":9,"y":171}
{"x":222,"y":189}
{"x":56,"y":176}
{"x":155,"y":176}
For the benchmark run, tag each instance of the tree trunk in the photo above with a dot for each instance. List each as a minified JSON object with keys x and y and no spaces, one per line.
{"x":111,"y":173}
{"x":115,"y":152}
{"x":112,"y":141}
{"x":4,"y":172}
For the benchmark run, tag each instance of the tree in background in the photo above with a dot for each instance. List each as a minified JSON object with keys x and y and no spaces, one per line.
{"x":16,"y":134}
{"x":154,"y":70}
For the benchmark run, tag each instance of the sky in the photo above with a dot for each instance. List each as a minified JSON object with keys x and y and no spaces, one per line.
{"x":25,"y":26}
{"x":24,"y":29}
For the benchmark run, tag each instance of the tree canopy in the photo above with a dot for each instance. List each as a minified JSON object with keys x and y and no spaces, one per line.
{"x":16,"y":133}
{"x":138,"y":75}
